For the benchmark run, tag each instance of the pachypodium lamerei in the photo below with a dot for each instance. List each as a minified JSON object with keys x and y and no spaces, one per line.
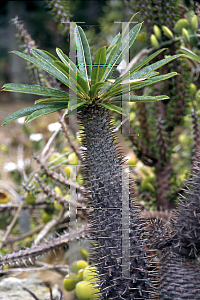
{"x":103,"y":163}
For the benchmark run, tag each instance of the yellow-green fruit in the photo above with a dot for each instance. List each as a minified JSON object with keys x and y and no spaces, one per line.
{"x":66,"y":149}
{"x":57,"y":205}
{"x":73,"y":159}
{"x":80,"y":275}
{"x":46,"y":218}
{"x":194,"y":22}
{"x":157,"y":32}
{"x":84,"y":290}
{"x":84,"y":253}
{"x":59,"y":160}
{"x":80,"y":179}
{"x":30,"y":199}
{"x":193,"y":88}
{"x":167,"y":32}
{"x":58,"y":190}
{"x":185,"y":35}
{"x":90,"y":274}
{"x":69,"y":172}
{"x":78,"y":265}
{"x":142,"y":37}
{"x":154,"y":41}
{"x":197,"y":95}
{"x":182,"y":23}
{"x":69,"y":282}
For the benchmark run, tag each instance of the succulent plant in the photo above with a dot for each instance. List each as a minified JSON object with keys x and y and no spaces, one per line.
{"x":103,"y":162}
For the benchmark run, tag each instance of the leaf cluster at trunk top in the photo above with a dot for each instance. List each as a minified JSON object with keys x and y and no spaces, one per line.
{"x":92,"y":83}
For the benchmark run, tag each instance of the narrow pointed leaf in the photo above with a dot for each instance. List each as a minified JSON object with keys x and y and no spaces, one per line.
{"x":52,"y":100}
{"x":76,"y":103}
{"x":116,"y":57}
{"x":65,"y":59}
{"x":83,"y":54}
{"x":48,"y":67}
{"x":76,"y":110}
{"x":34,"y":89}
{"x":135,"y":98}
{"x":95,"y":89}
{"x":189,"y":54}
{"x":99,"y":65}
{"x":114,"y":42}
{"x":154,"y":80}
{"x":135,"y":68}
{"x":25,"y":112}
{"x":126,"y":87}
{"x":153,"y":67}
{"x":115,"y":108}
{"x":46,"y":110}
{"x":81,"y":83}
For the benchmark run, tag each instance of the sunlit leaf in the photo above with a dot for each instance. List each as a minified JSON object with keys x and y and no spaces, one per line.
{"x":34,"y":89}
{"x":83,"y":54}
{"x":115,"y":108}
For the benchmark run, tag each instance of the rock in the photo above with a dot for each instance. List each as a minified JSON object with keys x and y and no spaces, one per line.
{"x":12,"y":289}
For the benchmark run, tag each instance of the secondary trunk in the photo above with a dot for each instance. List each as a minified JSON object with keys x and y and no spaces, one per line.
{"x":108,"y":220}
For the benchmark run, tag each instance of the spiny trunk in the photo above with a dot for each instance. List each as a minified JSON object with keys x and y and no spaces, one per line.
{"x":179,"y":277}
{"x":103,"y":172}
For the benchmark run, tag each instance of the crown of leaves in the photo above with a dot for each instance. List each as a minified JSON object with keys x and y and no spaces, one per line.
{"x":91,"y":82}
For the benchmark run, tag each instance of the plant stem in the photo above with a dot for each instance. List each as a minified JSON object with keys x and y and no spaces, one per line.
{"x":103,"y":165}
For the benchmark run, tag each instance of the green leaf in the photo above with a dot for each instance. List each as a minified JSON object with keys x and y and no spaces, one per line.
{"x":76,"y":110}
{"x":52,"y":100}
{"x":25,"y":112}
{"x":113,"y":43}
{"x":135,"y":98}
{"x":109,"y":51}
{"x":189,"y":54}
{"x":83,"y":54}
{"x":115,"y":108}
{"x":46,"y":110}
{"x":153,"y":67}
{"x":62,"y":56}
{"x":154,"y":80}
{"x":48,"y":67}
{"x":65,"y":59}
{"x":116,"y":57}
{"x":81,"y":83}
{"x":73,"y":105}
{"x":95,"y":89}
{"x":98,"y":67}
{"x":34,"y":89}
{"x":119,"y":89}
{"x":134,"y":69}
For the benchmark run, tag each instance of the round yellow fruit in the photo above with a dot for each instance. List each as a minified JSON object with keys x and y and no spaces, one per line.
{"x":78,"y":265}
{"x":73,"y":159}
{"x":69,"y":282}
{"x":58,"y":190}
{"x":80,"y":275}
{"x":84,"y":253}
{"x":80,"y":179}
{"x":69,"y":172}
{"x":83,"y":290}
{"x":90,"y":274}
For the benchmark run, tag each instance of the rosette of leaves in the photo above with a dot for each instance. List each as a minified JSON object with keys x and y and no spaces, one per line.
{"x":103,"y":163}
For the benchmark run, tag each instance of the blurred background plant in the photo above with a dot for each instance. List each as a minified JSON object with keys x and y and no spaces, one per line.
{"x":161,"y":140}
